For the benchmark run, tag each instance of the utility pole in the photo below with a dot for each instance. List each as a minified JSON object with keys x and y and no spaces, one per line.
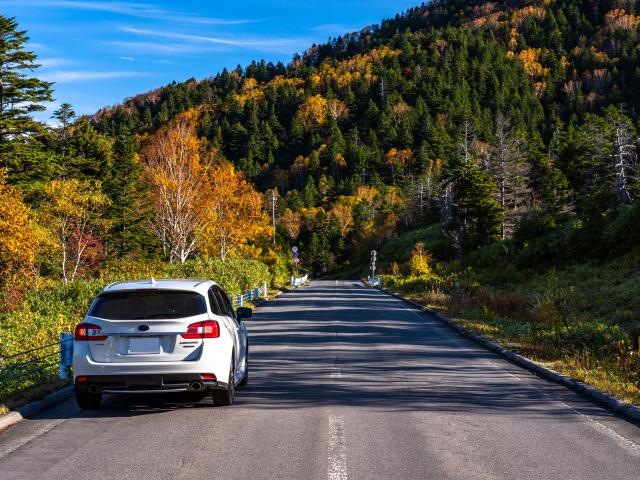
{"x":273,"y":213}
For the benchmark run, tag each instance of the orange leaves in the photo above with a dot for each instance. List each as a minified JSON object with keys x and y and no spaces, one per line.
{"x":343,"y":213}
{"x":400,"y":159}
{"x":313,"y":112}
{"x":619,"y":19}
{"x":231,"y":212}
{"x":200,"y":203}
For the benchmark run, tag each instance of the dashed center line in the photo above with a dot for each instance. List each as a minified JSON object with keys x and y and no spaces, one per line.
{"x":337,"y":454}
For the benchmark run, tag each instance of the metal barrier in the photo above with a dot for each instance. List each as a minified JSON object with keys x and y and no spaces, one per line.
{"x":374,"y":281}
{"x":251,"y":295}
{"x":299,"y":281}
{"x":38,"y":364}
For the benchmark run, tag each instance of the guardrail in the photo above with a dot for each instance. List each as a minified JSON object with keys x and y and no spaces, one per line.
{"x":298,"y":281}
{"x":251,"y":295}
{"x":39,"y":364}
{"x":374,"y":281}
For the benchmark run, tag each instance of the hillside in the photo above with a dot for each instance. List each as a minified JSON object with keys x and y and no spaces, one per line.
{"x":527,"y":95}
{"x":474,"y":142}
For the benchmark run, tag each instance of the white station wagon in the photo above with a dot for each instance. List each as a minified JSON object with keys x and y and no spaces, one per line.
{"x":157,"y":336}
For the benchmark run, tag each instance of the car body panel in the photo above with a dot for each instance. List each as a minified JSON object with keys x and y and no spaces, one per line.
{"x":135,"y":348}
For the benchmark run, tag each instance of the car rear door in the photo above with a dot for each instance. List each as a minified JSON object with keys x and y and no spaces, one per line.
{"x":146,"y":326}
{"x":234,"y":327}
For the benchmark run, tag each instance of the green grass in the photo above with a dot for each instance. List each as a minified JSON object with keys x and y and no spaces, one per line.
{"x":580,"y":320}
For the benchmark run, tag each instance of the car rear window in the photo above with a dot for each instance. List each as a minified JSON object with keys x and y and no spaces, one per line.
{"x":148,"y":304}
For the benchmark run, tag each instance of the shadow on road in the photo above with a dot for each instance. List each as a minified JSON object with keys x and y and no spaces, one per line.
{"x":351,"y":346}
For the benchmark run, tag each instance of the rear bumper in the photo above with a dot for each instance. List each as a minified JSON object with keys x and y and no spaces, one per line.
{"x":155,"y":383}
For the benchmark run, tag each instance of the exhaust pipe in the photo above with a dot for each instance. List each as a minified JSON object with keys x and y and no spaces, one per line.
{"x":93,"y":388}
{"x":195,"y":386}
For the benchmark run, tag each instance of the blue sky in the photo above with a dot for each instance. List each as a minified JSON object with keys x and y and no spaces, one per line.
{"x":100,"y":52}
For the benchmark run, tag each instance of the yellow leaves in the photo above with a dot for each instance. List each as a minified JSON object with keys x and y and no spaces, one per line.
{"x":339,"y":161}
{"x":529,"y":58}
{"x":313,"y":112}
{"x":280,"y":81}
{"x":348,"y":72}
{"x":420,"y":261}
{"x":74,"y":197}
{"x":513,"y":39}
{"x":18,"y":234}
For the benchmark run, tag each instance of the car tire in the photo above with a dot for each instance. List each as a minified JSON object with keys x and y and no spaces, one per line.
{"x":245,"y":379}
{"x":88,"y":401}
{"x":224,"y":398}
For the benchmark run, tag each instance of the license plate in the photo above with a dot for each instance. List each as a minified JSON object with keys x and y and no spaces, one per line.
{"x":139,"y":345}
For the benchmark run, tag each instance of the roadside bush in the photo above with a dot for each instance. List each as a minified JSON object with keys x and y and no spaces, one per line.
{"x":596,"y":338}
{"x":420,"y":261}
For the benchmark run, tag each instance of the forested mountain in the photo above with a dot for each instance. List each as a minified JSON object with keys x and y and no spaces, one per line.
{"x":502,"y":121}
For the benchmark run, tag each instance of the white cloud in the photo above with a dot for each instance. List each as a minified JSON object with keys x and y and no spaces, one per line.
{"x":142,"y":10}
{"x":52,"y":62}
{"x":269,"y":44}
{"x":333,"y":29}
{"x":62,"y":76}
{"x":128,"y":59}
{"x":164,"y":47}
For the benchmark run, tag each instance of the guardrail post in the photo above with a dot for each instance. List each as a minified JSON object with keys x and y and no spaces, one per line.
{"x":240,"y":299}
{"x":264,"y":290}
{"x":380,"y":282}
{"x":66,"y":355}
{"x":256,"y":293}
{"x":249,"y":296}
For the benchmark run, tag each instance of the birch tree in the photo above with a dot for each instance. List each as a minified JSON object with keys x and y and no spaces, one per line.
{"x":74,"y":212}
{"x":173,"y":166}
{"x":624,"y":162}
{"x":509,"y":170}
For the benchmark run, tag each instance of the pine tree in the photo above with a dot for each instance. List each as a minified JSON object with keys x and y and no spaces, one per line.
{"x":20,"y":94}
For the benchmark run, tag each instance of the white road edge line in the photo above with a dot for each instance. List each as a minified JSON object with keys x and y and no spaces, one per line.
{"x":337,"y":454}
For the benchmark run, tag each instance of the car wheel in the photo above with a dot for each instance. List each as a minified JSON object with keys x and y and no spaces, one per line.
{"x":245,"y":379}
{"x":224,"y":398}
{"x":88,"y":401}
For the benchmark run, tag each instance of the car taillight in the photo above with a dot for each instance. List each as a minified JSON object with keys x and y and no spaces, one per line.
{"x":88,"y":332}
{"x":206,"y":329}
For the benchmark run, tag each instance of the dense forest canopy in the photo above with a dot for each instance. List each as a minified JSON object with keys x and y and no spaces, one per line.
{"x":503,"y":122}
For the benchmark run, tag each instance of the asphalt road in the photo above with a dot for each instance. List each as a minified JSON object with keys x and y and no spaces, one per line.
{"x":346,"y":383}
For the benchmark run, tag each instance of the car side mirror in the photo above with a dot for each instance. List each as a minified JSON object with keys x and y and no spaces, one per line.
{"x":243,"y":312}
